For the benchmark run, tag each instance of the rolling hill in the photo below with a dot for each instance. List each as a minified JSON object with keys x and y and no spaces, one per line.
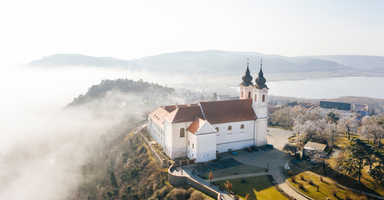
{"x":227,"y":62}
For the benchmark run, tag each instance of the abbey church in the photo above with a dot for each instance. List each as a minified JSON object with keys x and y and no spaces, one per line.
{"x":199,"y":131}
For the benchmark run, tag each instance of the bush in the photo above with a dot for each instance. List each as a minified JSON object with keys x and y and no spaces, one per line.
{"x":347,"y":198}
{"x":177,"y":194}
{"x":195,"y":195}
{"x":334,"y":193}
{"x":301,"y":187}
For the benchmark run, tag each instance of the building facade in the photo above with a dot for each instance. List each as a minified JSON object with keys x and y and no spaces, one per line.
{"x":200,"y":131}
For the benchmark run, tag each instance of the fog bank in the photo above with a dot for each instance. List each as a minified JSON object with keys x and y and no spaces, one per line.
{"x":42,"y":144}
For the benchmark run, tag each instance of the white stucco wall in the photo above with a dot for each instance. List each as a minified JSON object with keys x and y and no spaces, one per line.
{"x":155,"y":131}
{"x":206,"y":147}
{"x":191,"y":146}
{"x":236,"y":138}
{"x":260,"y":107}
{"x":245,"y":90}
{"x":261,"y":132}
{"x":201,"y":147}
{"x":178,"y":144}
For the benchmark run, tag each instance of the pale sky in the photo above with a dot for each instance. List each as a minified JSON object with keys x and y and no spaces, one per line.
{"x":129,"y":29}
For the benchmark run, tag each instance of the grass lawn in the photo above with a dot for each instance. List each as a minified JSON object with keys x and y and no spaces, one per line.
{"x":258,"y":187}
{"x":327,"y":187}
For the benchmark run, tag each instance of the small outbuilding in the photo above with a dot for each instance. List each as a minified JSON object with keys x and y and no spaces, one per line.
{"x":315,"y":150}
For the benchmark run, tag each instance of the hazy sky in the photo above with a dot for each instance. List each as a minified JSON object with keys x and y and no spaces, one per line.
{"x":131,"y":29}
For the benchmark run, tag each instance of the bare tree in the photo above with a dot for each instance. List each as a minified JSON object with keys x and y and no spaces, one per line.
{"x":372,"y":129}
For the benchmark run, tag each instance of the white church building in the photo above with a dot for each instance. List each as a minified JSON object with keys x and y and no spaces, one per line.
{"x":199,"y":131}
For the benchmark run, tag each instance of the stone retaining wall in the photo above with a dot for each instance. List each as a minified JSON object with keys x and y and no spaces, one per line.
{"x":180,"y":181}
{"x":163,"y":162}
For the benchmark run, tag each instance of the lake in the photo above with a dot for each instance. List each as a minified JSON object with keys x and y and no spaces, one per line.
{"x":329,"y":87}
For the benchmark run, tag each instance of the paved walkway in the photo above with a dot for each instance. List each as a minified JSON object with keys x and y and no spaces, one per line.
{"x":283,"y":185}
{"x":224,"y":195}
{"x":240,"y":176}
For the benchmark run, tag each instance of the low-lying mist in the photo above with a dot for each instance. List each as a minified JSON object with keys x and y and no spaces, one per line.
{"x":43,"y":143}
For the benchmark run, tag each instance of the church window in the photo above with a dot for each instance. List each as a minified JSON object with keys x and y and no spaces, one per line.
{"x":263,"y":98}
{"x":241,"y":95}
{"x":193,"y":146}
{"x":242,"y":126}
{"x":182,"y":132}
{"x":255,"y":97}
{"x":229,"y":128}
{"x":249,"y":95}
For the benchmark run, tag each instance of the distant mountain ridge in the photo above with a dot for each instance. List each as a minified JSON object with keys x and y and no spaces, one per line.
{"x":227,"y":62}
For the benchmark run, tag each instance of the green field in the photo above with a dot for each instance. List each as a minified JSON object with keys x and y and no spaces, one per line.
{"x":258,"y":187}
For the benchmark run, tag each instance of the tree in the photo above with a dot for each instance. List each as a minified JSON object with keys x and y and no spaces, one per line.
{"x":372,"y":128}
{"x":377,"y":173}
{"x":113,"y":179}
{"x":355,"y":159}
{"x":346,"y":125}
{"x":332,"y":117}
{"x":210,"y":176}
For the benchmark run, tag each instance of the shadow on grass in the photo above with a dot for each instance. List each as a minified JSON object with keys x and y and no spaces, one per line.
{"x":329,"y":172}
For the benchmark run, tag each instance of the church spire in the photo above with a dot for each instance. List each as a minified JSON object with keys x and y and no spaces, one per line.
{"x":247,"y":78}
{"x":260,"y":80}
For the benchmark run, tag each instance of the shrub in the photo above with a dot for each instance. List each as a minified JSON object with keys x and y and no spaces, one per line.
{"x":195,"y":195}
{"x":334,"y":193}
{"x":347,"y":198}
{"x":177,"y":194}
{"x":301,"y":187}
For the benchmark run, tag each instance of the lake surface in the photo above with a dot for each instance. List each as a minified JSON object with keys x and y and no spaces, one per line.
{"x":330,"y":87}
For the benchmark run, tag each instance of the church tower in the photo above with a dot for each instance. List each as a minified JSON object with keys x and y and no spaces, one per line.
{"x":246,"y":87}
{"x":260,"y":106}
{"x":260,"y":101}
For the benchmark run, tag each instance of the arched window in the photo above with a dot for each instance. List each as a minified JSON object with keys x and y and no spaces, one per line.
{"x":263,"y":97}
{"x":255,"y":97}
{"x":249,"y":95}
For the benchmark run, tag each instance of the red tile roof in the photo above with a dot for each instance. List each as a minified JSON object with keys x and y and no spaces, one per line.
{"x":228,"y":111}
{"x":213,"y":111}
{"x":185,"y":113}
{"x":195,"y":125}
